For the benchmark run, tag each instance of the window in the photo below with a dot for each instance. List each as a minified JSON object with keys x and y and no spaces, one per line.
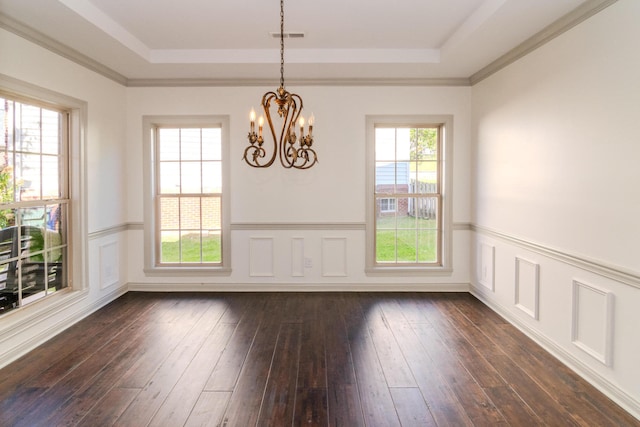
{"x":408,"y":213}
{"x":34,"y":201}
{"x":189,"y":227}
{"x":387,"y":205}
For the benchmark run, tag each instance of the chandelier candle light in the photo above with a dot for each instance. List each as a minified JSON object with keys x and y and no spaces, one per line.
{"x":293,"y":151}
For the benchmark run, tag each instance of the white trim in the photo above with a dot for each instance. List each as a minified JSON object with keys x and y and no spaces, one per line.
{"x":605,"y":357}
{"x":614,"y":272}
{"x":298,"y":287}
{"x":111,"y":231}
{"x":297,"y":226}
{"x":213,"y":82}
{"x":534,"y":311}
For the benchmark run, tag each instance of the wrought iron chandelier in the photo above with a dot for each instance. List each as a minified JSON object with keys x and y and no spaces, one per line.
{"x":293,"y":151}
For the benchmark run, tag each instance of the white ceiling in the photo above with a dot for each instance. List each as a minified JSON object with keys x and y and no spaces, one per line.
{"x":344,"y":39}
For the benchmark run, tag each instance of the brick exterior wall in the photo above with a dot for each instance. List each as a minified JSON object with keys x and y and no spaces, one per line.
{"x":190,"y":213}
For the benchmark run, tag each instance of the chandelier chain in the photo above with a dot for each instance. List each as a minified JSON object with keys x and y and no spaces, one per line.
{"x":282,"y":43}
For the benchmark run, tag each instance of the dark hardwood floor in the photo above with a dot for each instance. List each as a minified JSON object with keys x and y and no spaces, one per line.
{"x":280,"y":359}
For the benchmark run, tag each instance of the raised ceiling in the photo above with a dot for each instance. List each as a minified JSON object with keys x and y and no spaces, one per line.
{"x":230,"y":40}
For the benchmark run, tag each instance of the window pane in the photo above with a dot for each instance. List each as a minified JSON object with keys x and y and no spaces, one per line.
{"x":402,"y":177}
{"x":50,"y":132}
{"x":385,"y":144}
{"x":406,"y":245}
{"x":427,"y":246}
{"x":190,"y":213}
{"x":50,"y":177}
{"x":191,"y":246}
{"x":190,"y":144}
{"x":169,"y":246}
{"x":211,"y":213}
{"x":212,"y":246}
{"x":169,"y":144}
{"x":425,"y":210}
{"x":403,"y":145}
{"x":28,"y":132}
{"x":56,"y":272}
{"x":169,"y":213}
{"x":28,"y":174}
{"x":211,"y":177}
{"x":191,"y":178}
{"x":385,"y":245}
{"x":169,"y":177}
{"x":385,"y":177}
{"x":211,"y":144}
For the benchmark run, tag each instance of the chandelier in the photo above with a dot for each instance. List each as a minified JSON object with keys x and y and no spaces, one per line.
{"x":293,"y":151}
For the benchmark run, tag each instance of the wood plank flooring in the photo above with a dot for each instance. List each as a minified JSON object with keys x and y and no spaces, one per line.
{"x":282,"y":359}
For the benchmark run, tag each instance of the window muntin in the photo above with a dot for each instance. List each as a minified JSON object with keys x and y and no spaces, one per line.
{"x":34,"y":202}
{"x":188,"y":196}
{"x":408,"y":170}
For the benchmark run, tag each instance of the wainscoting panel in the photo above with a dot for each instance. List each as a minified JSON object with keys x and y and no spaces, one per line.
{"x":486,"y":265}
{"x":261,"y":257}
{"x":109,"y":264}
{"x":583,"y":311}
{"x":334,"y":256}
{"x":527,"y":291}
{"x":592,"y":323}
{"x":297,"y":256}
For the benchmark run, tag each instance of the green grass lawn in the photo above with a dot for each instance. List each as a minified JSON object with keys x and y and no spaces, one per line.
{"x":409,"y":240}
{"x":189,"y":249}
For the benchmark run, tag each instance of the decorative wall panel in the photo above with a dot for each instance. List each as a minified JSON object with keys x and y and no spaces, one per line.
{"x":334,"y":256}
{"x":261,"y":257}
{"x":486,"y":265}
{"x":527,"y":289}
{"x":592,"y":321}
{"x":109,"y":264}
{"x":297,"y":257}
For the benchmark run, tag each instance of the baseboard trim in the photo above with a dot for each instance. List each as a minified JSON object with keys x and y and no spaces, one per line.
{"x":591,"y":376}
{"x":298,"y":287}
{"x":54,"y":328}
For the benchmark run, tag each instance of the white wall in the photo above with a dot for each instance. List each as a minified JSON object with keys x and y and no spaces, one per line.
{"x":555,"y":142}
{"x":330,"y":193}
{"x":103,"y":194}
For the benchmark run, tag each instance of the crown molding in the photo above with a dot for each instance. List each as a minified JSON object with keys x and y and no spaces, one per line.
{"x":560,"y":26}
{"x":58,"y":48}
{"x":299,"y":82}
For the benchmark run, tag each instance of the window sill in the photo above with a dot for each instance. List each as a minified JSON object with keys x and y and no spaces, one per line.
{"x":187,"y":271}
{"x":408,"y":271}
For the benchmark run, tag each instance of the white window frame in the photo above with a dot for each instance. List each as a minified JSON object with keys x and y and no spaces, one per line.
{"x":151,"y":265}
{"x":75,"y":112}
{"x":372,"y":268}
